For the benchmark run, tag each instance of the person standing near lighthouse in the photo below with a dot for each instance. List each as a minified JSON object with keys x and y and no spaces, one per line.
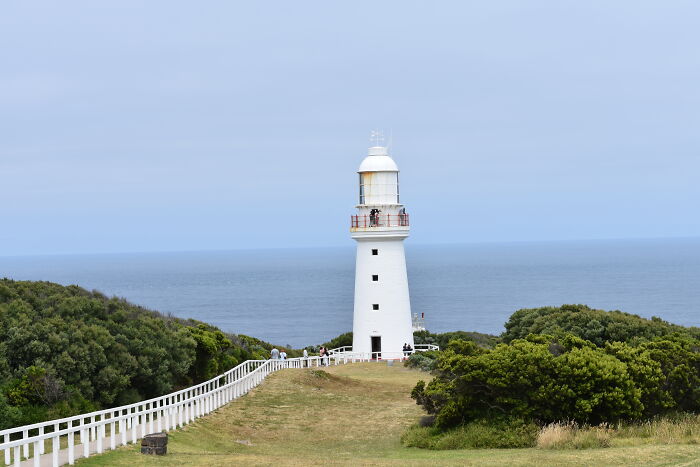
{"x":382,"y":311}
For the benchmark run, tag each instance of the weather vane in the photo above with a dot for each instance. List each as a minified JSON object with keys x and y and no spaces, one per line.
{"x":376,"y":137}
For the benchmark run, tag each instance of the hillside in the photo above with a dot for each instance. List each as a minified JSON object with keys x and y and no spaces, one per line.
{"x":353,"y":415}
{"x":65,"y":350}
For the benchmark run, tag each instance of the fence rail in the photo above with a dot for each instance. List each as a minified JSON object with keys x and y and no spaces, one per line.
{"x":105,"y":429}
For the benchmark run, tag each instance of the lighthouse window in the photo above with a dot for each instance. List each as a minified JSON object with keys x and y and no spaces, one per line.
{"x":375,"y":277}
{"x":362,"y":191}
{"x":375,"y":252}
{"x":398,"y":198}
{"x":375,"y":306}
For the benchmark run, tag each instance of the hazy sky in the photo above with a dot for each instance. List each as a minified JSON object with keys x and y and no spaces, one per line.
{"x":140,"y":126}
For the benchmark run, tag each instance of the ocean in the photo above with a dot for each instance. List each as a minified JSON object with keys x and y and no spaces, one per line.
{"x":298,"y":297}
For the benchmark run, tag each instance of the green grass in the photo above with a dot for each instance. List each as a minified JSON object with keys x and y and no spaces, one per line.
{"x":352,"y":415}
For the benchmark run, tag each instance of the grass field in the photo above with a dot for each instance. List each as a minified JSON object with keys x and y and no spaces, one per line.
{"x":352,"y":415}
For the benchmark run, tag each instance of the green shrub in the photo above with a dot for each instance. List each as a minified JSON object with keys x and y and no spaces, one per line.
{"x":487,"y":341}
{"x":424,"y":361}
{"x":597,"y":326}
{"x":547,"y":379}
{"x":479,"y":434}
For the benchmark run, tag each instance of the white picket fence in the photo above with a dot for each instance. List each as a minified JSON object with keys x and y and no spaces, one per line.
{"x":105,"y":429}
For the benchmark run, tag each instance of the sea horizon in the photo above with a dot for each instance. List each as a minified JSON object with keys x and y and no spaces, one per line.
{"x":303,"y":296}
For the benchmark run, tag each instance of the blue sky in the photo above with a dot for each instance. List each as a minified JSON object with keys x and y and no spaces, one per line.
{"x":146,"y":126}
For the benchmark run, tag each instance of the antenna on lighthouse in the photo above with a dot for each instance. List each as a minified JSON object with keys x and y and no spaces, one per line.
{"x":376,"y":137}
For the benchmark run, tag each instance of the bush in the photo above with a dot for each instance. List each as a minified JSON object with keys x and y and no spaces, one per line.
{"x":547,"y":380}
{"x":596,"y":326}
{"x":486,"y":341}
{"x":424,"y":361}
{"x":479,"y":434}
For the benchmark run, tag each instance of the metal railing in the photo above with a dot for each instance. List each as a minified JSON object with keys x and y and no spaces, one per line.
{"x":378,"y":220}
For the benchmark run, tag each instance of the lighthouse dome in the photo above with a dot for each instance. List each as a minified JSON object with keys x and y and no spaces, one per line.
{"x":378,"y":160}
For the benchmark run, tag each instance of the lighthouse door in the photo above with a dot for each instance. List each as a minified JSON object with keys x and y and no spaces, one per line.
{"x":376,"y":347}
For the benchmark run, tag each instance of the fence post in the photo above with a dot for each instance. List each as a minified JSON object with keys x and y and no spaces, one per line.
{"x":42,"y":449}
{"x":56,"y":446}
{"x":7,"y":450}
{"x":25,"y":447}
{"x":37,"y":454}
{"x":100,"y":436}
{"x":122,"y":428}
{"x":159,"y":424}
{"x":134,"y":427}
{"x":112,"y":435}
{"x":71,"y":448}
{"x":86,"y":443}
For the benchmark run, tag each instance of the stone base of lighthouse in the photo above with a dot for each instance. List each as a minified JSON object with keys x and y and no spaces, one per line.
{"x":382,"y":315}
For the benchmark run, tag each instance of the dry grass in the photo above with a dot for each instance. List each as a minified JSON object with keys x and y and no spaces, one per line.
{"x":568,"y":435}
{"x":682,"y":429}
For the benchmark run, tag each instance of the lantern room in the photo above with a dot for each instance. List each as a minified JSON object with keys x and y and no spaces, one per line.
{"x":379,"y":178}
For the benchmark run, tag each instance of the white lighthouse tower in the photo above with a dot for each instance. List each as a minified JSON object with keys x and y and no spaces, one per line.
{"x":382,"y":316}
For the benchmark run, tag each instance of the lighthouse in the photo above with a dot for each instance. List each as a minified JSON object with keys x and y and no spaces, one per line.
{"x":382,"y":314}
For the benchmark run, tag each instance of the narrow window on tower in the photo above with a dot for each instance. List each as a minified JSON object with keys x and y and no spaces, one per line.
{"x":398,"y":197}
{"x":362,"y":191}
{"x":375,"y":306}
{"x":375,"y":277}
{"x":375,"y":252}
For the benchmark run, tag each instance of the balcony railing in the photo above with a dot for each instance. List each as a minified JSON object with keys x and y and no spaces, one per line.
{"x":378,"y":220}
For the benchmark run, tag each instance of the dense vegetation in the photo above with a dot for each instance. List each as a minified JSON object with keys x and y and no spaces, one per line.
{"x":597,"y":326}
{"x":482,"y":340}
{"x":568,"y":363}
{"x":427,"y":361}
{"x":65,"y":350}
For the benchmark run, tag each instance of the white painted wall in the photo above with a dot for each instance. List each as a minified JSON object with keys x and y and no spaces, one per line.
{"x":393,"y":320}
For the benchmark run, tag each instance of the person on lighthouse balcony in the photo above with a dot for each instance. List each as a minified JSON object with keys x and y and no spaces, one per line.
{"x":374,"y":218}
